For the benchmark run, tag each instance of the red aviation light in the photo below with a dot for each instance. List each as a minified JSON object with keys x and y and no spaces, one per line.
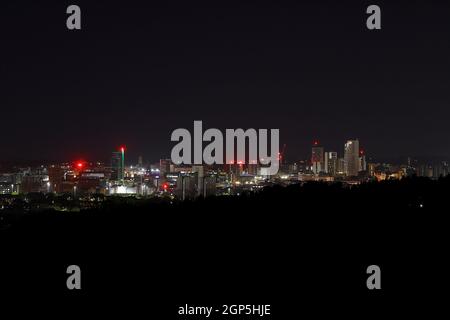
{"x":79,"y":164}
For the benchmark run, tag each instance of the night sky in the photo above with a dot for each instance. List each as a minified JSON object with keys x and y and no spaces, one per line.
{"x":138,"y":70}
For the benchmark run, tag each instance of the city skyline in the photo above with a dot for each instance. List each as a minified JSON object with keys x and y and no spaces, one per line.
{"x":117,"y":176}
{"x":289,"y":156}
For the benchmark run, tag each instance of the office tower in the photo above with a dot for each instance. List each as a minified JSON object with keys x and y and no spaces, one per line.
{"x":140,"y":161}
{"x":351,"y":157}
{"x":340,"y":168}
{"x":362,"y":161}
{"x":118,"y":165}
{"x":331,"y":160}
{"x":317,"y":158}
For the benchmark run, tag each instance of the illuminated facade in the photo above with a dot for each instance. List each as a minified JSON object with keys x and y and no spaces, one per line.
{"x":118,"y":165}
{"x":351,"y":157}
{"x":317,"y":158}
{"x":331,"y":163}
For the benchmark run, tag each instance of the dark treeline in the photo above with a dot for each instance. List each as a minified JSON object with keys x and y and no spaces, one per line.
{"x":315,"y":237}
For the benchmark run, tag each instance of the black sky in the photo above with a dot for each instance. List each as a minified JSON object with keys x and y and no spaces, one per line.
{"x":138,"y":70}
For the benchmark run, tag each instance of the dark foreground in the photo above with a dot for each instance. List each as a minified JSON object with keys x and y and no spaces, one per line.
{"x":304,"y":250}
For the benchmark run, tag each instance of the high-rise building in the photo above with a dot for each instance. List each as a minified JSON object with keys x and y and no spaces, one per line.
{"x":317,"y":158}
{"x":340,"y":168}
{"x":331,"y":160}
{"x":351,"y":157}
{"x":118,"y":165}
{"x":362,"y":161}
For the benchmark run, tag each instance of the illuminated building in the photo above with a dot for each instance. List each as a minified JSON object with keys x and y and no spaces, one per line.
{"x":190,"y":185}
{"x":118,"y":165}
{"x":340,"y":169}
{"x":123,"y":190}
{"x":6,"y":188}
{"x":35,"y":180}
{"x":170,"y":181}
{"x":371,"y":168}
{"x":7,"y":183}
{"x":362,"y":161}
{"x":301,"y":166}
{"x":90,"y":182}
{"x":317,"y":158}
{"x":425,"y":170}
{"x":331,"y":162}
{"x":306,"y":177}
{"x":199,"y":171}
{"x":351,"y":157}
